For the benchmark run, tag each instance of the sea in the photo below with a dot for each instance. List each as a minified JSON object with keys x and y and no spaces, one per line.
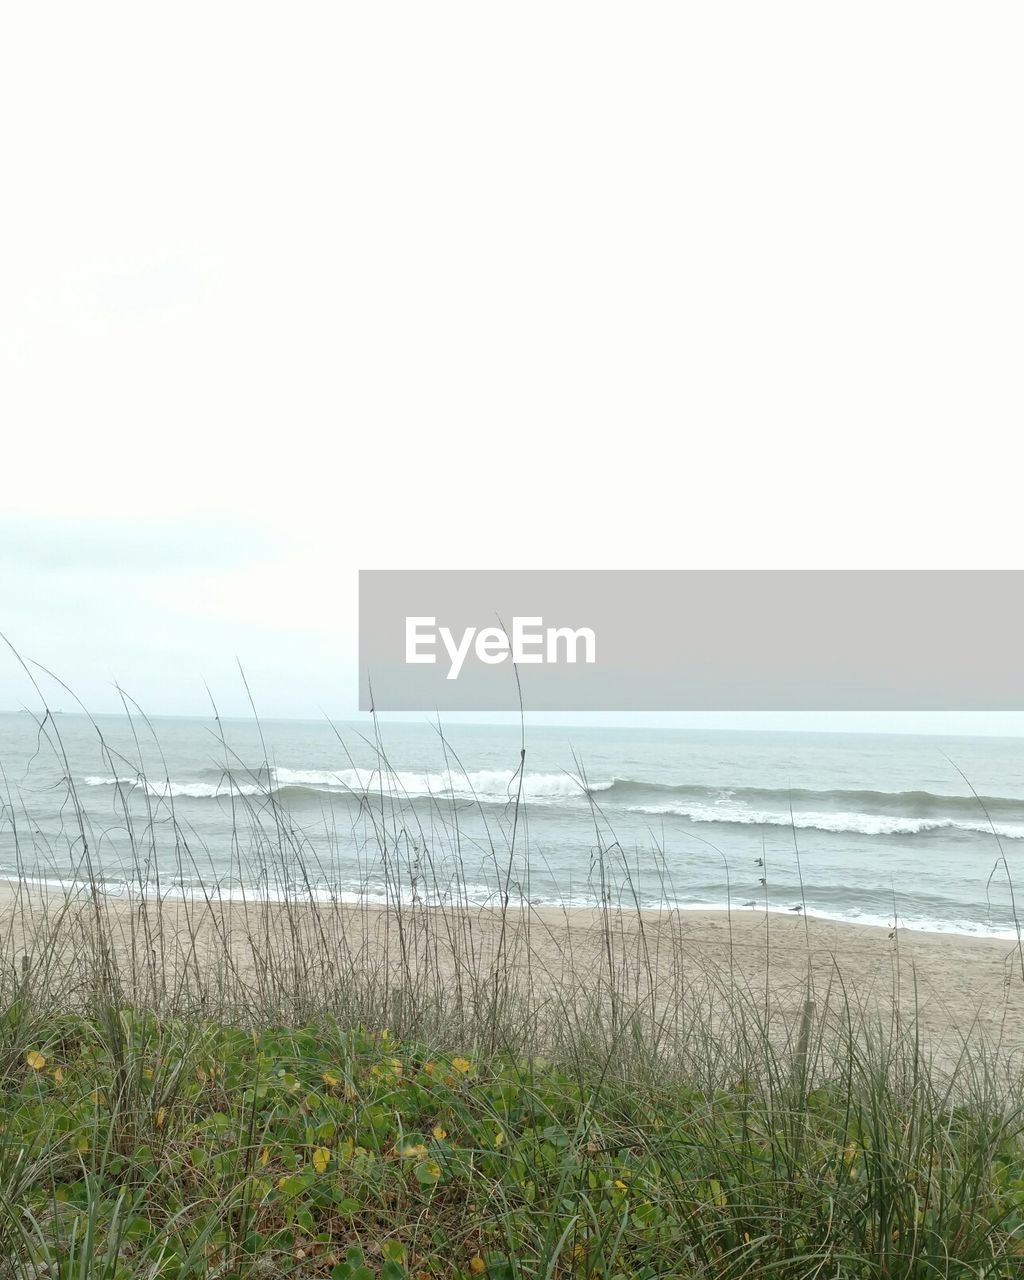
{"x":926,"y":832}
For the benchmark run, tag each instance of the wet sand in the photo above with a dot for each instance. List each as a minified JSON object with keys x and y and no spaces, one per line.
{"x":956,"y":989}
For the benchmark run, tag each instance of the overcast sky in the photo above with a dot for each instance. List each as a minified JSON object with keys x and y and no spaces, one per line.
{"x":290,"y":292}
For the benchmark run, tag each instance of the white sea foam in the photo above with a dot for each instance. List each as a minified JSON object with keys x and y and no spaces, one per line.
{"x":866,"y":824}
{"x":483,"y":784}
{"x":500,"y":786}
{"x":487,"y":785}
{"x":192,"y":790}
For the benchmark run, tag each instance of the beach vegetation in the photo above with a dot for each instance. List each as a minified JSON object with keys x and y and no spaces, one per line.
{"x":192,"y":1086}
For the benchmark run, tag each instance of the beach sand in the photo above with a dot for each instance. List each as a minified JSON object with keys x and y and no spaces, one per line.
{"x":955,"y":989}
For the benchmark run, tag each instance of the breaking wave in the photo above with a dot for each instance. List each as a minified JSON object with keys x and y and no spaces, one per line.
{"x":865,"y":824}
{"x":489,"y":786}
{"x":860,"y":812}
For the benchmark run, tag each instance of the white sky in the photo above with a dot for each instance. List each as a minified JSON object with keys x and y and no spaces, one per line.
{"x":290,"y":291}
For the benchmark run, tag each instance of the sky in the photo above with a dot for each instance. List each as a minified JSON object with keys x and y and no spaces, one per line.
{"x":289,"y":293}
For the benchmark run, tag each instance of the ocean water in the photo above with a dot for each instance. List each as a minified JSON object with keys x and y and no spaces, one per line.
{"x":847,"y":826}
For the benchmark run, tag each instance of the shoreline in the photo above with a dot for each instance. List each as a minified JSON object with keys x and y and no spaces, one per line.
{"x":240,"y":896}
{"x":955,"y":989}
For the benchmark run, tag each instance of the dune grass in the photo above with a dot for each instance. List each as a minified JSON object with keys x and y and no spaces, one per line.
{"x":263,"y":1093}
{"x":140,"y":1145}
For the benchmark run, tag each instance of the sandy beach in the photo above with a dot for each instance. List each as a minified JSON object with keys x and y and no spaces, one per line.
{"x":956,"y":989}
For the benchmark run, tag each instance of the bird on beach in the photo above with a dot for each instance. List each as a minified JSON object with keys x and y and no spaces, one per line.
{"x":799,"y":907}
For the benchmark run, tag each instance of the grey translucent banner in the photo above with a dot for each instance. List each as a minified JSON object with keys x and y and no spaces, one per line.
{"x":650,"y":640}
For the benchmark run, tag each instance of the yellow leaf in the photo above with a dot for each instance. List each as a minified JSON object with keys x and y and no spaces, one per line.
{"x":499,"y":1139}
{"x":477,"y":1265}
{"x":428,"y":1067}
{"x":160,"y":1117}
{"x":58,"y":1076}
{"x":321,"y":1159}
{"x":330,"y":1079}
{"x":439,"y":1133}
{"x":461,"y":1065}
{"x":414,"y":1149}
{"x":264,"y":1156}
{"x":35,"y":1060}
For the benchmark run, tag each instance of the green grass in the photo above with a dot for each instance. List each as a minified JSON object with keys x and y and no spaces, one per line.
{"x":137,"y":1147}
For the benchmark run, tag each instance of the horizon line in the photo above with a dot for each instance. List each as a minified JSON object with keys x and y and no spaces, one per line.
{"x":457,"y":718}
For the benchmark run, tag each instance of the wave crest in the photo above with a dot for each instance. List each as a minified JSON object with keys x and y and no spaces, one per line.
{"x":865,"y":824}
{"x":862,"y":812}
{"x":489,"y":786}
